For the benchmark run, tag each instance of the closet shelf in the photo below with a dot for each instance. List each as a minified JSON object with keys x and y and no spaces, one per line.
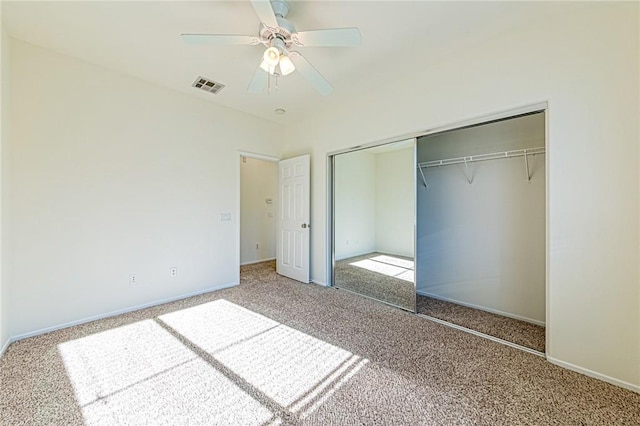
{"x":481,"y":157}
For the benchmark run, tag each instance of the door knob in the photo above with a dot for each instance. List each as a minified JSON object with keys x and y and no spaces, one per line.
{"x":305,"y":225}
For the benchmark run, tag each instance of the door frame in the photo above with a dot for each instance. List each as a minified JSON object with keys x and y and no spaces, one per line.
{"x":256,"y":156}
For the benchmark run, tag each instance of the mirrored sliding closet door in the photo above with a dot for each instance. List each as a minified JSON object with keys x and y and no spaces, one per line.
{"x":374,"y":223}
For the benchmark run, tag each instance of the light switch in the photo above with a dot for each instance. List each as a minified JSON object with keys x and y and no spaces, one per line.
{"x":225,"y":217}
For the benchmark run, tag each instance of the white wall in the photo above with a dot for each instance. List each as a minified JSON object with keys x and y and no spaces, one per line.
{"x":111,"y":176}
{"x":258,"y":182}
{"x":395,"y":202}
{"x":483,"y":244}
{"x":586,"y":67}
{"x":4,"y":138}
{"x":355,"y":204}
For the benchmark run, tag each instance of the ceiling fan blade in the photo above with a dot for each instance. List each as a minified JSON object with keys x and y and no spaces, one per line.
{"x":265,"y":12}
{"x":337,"y":37}
{"x":259,"y":81}
{"x":311,"y":74}
{"x":219,"y":39}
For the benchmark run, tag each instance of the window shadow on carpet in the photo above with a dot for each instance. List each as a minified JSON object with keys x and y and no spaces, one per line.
{"x":215,"y":363}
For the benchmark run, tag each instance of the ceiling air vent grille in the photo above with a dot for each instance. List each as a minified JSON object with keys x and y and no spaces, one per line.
{"x":208,"y":85}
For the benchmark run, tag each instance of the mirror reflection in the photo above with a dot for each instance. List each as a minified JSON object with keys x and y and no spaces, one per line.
{"x":374,"y":216}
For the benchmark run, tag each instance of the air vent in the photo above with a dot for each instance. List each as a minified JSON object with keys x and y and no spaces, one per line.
{"x":208,"y":85}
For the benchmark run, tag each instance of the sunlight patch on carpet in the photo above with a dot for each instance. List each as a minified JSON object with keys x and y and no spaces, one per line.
{"x":389,"y":266}
{"x":290,"y":367}
{"x":215,"y":363}
{"x":140,"y":374}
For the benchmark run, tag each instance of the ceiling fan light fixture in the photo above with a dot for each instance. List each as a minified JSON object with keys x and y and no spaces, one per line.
{"x":286,"y":66}
{"x":279,"y":36}
{"x":272,"y":56}
{"x":268,"y":68}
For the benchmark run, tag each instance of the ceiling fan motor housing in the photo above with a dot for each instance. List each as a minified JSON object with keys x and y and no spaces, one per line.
{"x":285,"y":29}
{"x":284,"y":32}
{"x":280,"y":8}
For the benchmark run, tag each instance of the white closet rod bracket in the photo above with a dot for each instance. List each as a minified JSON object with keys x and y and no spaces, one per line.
{"x":467,"y":174}
{"x":482,"y":157}
{"x":424,"y":179}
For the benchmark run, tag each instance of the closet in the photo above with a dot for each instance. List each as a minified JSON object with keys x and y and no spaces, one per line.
{"x":450,"y":225}
{"x":481,"y":229}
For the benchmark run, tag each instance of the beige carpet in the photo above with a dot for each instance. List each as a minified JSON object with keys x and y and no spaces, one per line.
{"x":512,"y":330}
{"x":274,"y":351}
{"x":387,"y":278}
{"x":382,"y":277}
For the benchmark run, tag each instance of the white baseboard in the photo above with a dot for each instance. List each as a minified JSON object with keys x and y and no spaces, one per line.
{"x":482,"y":308}
{"x":590,"y":373}
{"x":257,"y":261}
{"x":4,"y":347}
{"x":319,"y":283}
{"x":118,"y":312}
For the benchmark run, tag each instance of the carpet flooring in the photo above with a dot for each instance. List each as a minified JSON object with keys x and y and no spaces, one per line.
{"x":512,"y":330}
{"x":275,"y":351}
{"x":382,"y":277}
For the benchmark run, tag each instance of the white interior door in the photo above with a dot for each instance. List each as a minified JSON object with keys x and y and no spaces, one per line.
{"x":293,"y":218}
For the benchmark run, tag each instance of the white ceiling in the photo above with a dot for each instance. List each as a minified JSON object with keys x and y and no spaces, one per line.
{"x":142,"y":38}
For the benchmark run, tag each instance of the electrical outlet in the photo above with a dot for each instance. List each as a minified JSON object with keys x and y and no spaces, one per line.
{"x":133,"y":280}
{"x":173,"y":272}
{"x":225,"y":217}
{"x":257,"y":246}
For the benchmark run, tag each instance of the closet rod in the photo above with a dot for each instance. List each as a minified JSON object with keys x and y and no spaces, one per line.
{"x":482,"y":157}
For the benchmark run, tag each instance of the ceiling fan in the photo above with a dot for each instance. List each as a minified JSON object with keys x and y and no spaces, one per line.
{"x":279,"y":36}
